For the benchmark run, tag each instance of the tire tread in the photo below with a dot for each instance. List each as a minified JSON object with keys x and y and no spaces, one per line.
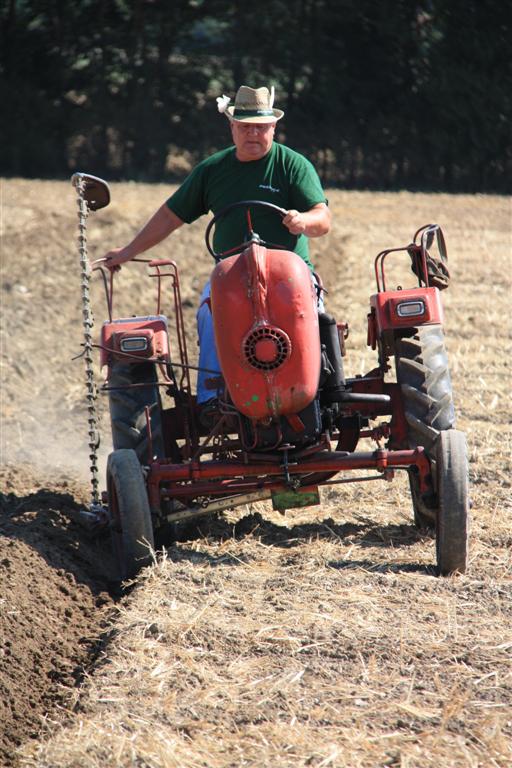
{"x":453,"y":512}
{"x":422,"y":371}
{"x":135,"y":539}
{"x":127,"y":409}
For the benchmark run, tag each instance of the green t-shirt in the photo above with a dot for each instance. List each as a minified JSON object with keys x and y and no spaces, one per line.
{"x":282,"y":177}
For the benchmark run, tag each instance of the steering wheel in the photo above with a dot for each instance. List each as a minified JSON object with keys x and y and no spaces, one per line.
{"x":253,"y":236}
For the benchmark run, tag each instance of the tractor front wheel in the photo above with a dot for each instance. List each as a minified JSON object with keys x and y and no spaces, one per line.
{"x":452,"y":481}
{"x":132,"y":529}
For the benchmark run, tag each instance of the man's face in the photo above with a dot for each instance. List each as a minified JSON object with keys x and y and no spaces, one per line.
{"x":252,"y":140}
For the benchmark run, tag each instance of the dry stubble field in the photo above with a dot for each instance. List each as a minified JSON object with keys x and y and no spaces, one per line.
{"x":319,"y":639}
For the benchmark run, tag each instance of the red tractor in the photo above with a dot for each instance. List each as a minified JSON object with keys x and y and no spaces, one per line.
{"x":284,"y":420}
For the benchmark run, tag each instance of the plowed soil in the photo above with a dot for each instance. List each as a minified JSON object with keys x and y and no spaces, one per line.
{"x":53,"y":601}
{"x":320,"y":639}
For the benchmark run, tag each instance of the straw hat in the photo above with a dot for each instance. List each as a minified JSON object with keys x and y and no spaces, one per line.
{"x":252,"y":105}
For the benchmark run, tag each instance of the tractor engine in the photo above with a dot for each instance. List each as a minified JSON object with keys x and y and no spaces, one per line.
{"x":265,"y":318}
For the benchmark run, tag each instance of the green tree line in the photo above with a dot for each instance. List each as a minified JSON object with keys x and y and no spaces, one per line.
{"x":381,"y":94}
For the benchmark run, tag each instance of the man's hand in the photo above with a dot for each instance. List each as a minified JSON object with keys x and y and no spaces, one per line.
{"x":116,"y":257}
{"x":295,"y":222}
{"x":313,"y":223}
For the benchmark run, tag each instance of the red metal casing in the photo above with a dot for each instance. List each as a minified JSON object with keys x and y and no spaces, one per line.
{"x":386,"y":305}
{"x":265,"y":319}
{"x":152,"y":327}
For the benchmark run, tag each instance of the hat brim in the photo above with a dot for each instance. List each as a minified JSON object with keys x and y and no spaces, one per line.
{"x":276,"y":115}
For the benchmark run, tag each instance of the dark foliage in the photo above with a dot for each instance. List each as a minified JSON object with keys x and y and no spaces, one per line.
{"x":380,"y":95}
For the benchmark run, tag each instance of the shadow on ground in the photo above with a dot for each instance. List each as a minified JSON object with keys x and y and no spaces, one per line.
{"x":365,"y":534}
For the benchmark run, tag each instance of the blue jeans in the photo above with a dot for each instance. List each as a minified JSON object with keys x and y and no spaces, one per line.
{"x":208,"y":361}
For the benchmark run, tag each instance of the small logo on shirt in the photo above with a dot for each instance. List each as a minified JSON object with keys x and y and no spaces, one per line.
{"x":268,"y":186}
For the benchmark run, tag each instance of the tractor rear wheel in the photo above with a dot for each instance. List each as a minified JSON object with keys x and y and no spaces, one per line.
{"x":132,"y":529}
{"x":128,"y":409}
{"x":423,"y":374}
{"x":453,"y":496}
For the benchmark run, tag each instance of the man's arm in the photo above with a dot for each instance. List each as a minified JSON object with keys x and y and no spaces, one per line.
{"x":313,"y":223}
{"x":160,"y":226}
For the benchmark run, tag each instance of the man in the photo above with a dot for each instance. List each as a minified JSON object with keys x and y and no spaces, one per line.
{"x":254,"y":168}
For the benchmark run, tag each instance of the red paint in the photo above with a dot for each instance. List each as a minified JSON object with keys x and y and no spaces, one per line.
{"x":266,"y":350}
{"x":162,"y":476}
{"x":384,"y":307}
{"x":153,"y":327}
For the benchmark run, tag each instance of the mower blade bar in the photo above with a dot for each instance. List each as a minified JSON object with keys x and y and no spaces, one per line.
{"x":219,"y":505}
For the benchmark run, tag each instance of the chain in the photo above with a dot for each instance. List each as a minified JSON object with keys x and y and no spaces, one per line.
{"x":88,"y":323}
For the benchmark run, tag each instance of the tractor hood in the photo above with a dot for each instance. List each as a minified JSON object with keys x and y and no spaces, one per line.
{"x":265,"y":318}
